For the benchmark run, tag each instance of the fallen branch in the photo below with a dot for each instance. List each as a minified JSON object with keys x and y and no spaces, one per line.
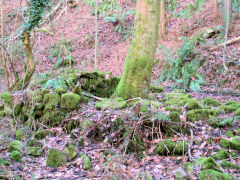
{"x":236,"y":39}
{"x":92,"y":96}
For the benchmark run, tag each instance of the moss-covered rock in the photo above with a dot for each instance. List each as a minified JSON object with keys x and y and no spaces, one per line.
{"x":70,"y":100}
{"x":19,"y":135}
{"x":2,"y":113}
{"x":34,"y":142}
{"x":15,"y":146}
{"x":51,"y":101}
{"x":200,"y":114}
{"x":40,"y":134}
{"x":211,"y":102}
{"x":209,"y":163}
{"x":178,"y":99}
{"x":172,"y":109}
{"x":175,"y":148}
{"x":34,"y":151}
{"x":70,"y":152}
{"x":86,"y":162}
{"x":156,"y":89}
{"x":224,"y":143}
{"x":77,"y":90}
{"x":55,"y":158}
{"x":7,"y":99}
{"x":210,"y":174}
{"x":191,"y":105}
{"x":175,"y":117}
{"x":115,"y":103}
{"x":60,"y":91}
{"x":230,"y":108}
{"x":229,"y":165}
{"x":237,"y":112}
{"x":6,"y":163}
{"x":16,"y":156}
{"x":235,"y":143}
{"x":221,"y":154}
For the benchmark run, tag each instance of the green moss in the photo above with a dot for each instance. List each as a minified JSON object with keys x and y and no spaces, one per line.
{"x":40,"y":134}
{"x":72,"y":79}
{"x":86,"y":162}
{"x":211,"y":102}
{"x":193,"y":105}
{"x":61,"y":91}
{"x":18,"y":109}
{"x":15,"y":146}
{"x":230,"y":134}
{"x":235,"y":143}
{"x":230,"y":108}
{"x":210,"y":174}
{"x":34,"y":142}
{"x":209,"y":163}
{"x":51,"y":101}
{"x":234,"y":155}
{"x":175,"y":148}
{"x":34,"y":151}
{"x":55,"y":158}
{"x":200,"y":114}
{"x":175,"y":117}
{"x":7,"y":99}
{"x":52,"y":117}
{"x":237,"y":112}
{"x":232,"y":102}
{"x":156,"y":89}
{"x":222,"y":154}
{"x":2,"y":113}
{"x":6,"y":163}
{"x":56,"y":83}
{"x":189,"y":166}
{"x":16,"y":156}
{"x":115,"y":103}
{"x":19,"y":135}
{"x":229,"y":165}
{"x":70,"y":100}
{"x":178,"y":99}
{"x":178,"y":110}
{"x":143,"y":109}
{"x":70,"y":152}
{"x":224,"y":143}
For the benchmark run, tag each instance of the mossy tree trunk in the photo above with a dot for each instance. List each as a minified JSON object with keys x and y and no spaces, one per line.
{"x":31,"y":64}
{"x":136,"y":77}
{"x":163,"y":19}
{"x":2,"y":45}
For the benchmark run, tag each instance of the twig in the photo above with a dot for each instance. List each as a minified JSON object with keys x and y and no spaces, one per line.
{"x":92,"y":96}
{"x":236,"y":39}
{"x":162,"y":139}
{"x":189,"y":147}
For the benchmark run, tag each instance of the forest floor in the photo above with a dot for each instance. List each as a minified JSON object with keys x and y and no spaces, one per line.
{"x":75,"y":28}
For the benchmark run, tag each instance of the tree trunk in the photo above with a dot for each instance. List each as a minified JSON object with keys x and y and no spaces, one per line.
{"x":215,"y":6}
{"x":136,"y":77}
{"x":2,"y":45}
{"x":163,"y":19}
{"x":227,"y":13}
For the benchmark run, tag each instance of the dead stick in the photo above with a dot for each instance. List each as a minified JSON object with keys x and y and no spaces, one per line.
{"x":227,"y":43}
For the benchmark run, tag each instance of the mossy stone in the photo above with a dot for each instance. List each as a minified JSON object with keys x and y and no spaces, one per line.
{"x":61,"y":91}
{"x":237,"y":112}
{"x":235,"y":143}
{"x":211,"y":102}
{"x":210,"y":174}
{"x":229,"y":165}
{"x":209,"y":163}
{"x":221,"y":154}
{"x":193,"y":105}
{"x":200,"y":114}
{"x":173,"y":147}
{"x":15,"y":146}
{"x":51,"y":101}
{"x":115,"y":103}
{"x":178,"y":99}
{"x":156,"y":89}
{"x":6,"y":163}
{"x":7,"y":99}
{"x":224,"y":143}
{"x":70,"y":152}
{"x":55,"y":158}
{"x":19,"y":135}
{"x":175,"y":117}
{"x":40,"y":134}
{"x":34,"y":142}
{"x":16,"y":156}
{"x":34,"y":151}
{"x":86,"y":162}
{"x":230,"y":108}
{"x":70,"y":100}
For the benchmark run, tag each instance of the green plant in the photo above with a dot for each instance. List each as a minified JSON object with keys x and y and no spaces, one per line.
{"x":104,"y":7}
{"x":183,"y":70}
{"x":119,"y":19}
{"x":172,"y":5}
{"x":236,"y":6}
{"x":62,"y":50}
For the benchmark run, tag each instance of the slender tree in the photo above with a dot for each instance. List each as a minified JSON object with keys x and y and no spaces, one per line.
{"x":215,"y":6}
{"x":136,"y":77}
{"x":163,"y":19}
{"x":227,"y":13}
{"x":2,"y":45}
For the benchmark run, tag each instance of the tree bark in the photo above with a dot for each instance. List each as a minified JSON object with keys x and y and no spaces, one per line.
{"x":3,"y":51}
{"x":227,"y":13}
{"x":215,"y":6}
{"x":163,"y":19}
{"x":136,"y":77}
